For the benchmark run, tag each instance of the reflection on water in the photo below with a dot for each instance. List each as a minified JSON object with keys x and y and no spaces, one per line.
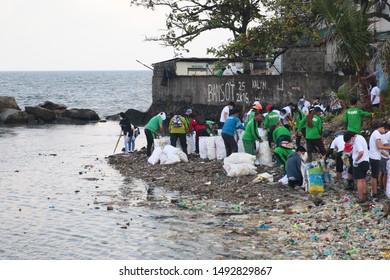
{"x":56,"y":187}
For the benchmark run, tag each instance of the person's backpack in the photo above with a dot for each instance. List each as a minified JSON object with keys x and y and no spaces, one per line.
{"x":177,"y":121}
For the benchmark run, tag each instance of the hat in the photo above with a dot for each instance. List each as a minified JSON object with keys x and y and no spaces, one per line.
{"x":257,"y":106}
{"x":268,"y":107}
{"x":256,"y":102}
{"x":163,"y":116}
{"x":317,"y":109}
{"x":189,"y":111}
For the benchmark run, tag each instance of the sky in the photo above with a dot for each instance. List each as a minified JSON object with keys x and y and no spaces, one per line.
{"x":56,"y":35}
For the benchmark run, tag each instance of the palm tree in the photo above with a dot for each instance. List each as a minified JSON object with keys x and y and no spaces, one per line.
{"x":352,"y":35}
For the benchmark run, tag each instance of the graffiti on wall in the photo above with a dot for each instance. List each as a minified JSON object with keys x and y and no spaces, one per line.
{"x":229,"y":91}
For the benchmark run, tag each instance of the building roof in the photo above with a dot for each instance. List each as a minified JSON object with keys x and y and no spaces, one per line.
{"x":188,"y":59}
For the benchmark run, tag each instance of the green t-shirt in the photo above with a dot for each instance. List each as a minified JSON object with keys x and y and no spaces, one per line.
{"x":272,"y":118}
{"x":249,"y":117}
{"x":154,"y":123}
{"x":283,"y":154}
{"x":315,"y":131}
{"x":353,"y":119}
{"x":279,"y":132}
{"x":251,"y":131}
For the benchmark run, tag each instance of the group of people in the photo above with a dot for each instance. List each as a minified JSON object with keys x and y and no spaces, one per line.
{"x":302,"y":120}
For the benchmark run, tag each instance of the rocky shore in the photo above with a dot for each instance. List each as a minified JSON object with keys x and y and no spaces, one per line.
{"x":267,"y":220}
{"x":47,"y":112}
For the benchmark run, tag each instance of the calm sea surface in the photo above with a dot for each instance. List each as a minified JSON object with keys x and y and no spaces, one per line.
{"x":55,"y":183}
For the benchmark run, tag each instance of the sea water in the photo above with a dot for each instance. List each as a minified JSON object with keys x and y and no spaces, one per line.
{"x":56,"y":185}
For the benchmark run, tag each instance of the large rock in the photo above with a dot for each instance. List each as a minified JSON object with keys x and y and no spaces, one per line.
{"x":53,"y":106}
{"x":13,"y":116}
{"x":41,"y":113}
{"x":82,"y":114}
{"x":8,"y":102}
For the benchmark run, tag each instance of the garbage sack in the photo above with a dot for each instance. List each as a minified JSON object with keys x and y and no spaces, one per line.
{"x":240,"y":158}
{"x":240,"y":143}
{"x":155,"y":157}
{"x":203,"y":147}
{"x":190,"y":143}
{"x":315,"y":180}
{"x":172,"y":158}
{"x":239,"y":169}
{"x":263,"y":134}
{"x":211,"y":148}
{"x":162,"y":141}
{"x":264,"y":154}
{"x":182,"y":155}
{"x":220,"y":148}
{"x":170,"y":150}
{"x":163,"y":158}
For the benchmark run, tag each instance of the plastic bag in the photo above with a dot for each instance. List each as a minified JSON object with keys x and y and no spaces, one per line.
{"x":315,"y":180}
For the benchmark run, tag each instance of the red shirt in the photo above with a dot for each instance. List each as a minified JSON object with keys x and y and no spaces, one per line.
{"x":195,"y":126}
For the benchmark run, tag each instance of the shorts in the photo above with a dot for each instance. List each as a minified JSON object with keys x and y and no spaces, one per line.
{"x":375,"y":167}
{"x":360,"y":172}
{"x":383,"y":165}
{"x":339,"y":163}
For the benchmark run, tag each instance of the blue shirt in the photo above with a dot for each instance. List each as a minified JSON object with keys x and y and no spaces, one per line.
{"x":231,"y":125}
{"x":383,"y":79}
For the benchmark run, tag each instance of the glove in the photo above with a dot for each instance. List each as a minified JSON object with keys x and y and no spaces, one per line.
{"x":355,"y":164}
{"x":372,"y":115}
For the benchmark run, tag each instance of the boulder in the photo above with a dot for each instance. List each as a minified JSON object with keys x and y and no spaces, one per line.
{"x":53,"y":106}
{"x":13,"y":116}
{"x":41,"y":113}
{"x":8,"y":102}
{"x":82,"y":114}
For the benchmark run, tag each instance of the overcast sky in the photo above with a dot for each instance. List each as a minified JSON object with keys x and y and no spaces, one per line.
{"x":84,"y":35}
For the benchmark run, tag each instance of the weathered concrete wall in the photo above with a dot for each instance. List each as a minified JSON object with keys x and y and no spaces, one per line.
{"x":244,"y":89}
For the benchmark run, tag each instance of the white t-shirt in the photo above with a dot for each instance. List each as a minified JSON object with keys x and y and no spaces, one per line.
{"x":338,"y":143}
{"x":374,"y":153}
{"x":224,"y":110}
{"x":284,"y":117}
{"x":384,"y":141}
{"x":375,"y":91}
{"x":359,"y":145}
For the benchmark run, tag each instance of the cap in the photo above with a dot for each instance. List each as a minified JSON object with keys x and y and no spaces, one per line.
{"x":256,"y":102}
{"x":268,"y":107}
{"x":189,"y":111}
{"x":163,"y":116}
{"x":257,"y":106}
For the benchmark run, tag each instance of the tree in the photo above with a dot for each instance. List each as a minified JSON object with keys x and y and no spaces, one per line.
{"x":351,"y":33}
{"x":190,"y":18}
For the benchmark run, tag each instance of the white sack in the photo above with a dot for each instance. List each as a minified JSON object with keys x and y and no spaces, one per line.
{"x":240,"y":169}
{"x":203,"y":147}
{"x":172,"y":159}
{"x":264,"y":154}
{"x":211,"y":148}
{"x":191,"y":143}
{"x":170,"y":150}
{"x":240,"y":158}
{"x":182,"y":155}
{"x":155,"y":157}
{"x":263,"y":134}
{"x":220,"y":148}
